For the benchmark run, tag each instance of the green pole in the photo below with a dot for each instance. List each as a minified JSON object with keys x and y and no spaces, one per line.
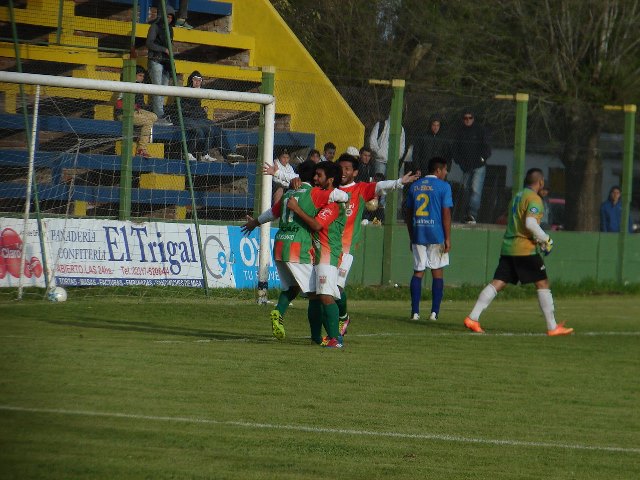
{"x":126,"y":166}
{"x":393,"y":155}
{"x":627,"y":183}
{"x":522,"y":102}
{"x":267,"y":86}
{"x":185,"y":153}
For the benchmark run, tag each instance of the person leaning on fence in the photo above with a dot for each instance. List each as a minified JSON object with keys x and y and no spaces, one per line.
{"x":142,"y":117}
{"x":611,"y":212}
{"x":287,"y":173}
{"x":471,"y":150}
{"x":200,"y":130}
{"x":159,"y":60}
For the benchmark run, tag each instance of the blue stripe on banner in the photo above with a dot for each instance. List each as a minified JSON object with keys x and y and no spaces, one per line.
{"x":245,"y":252}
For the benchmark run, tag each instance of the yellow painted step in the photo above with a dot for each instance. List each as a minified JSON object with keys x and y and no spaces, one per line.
{"x":94,"y":74}
{"x":103,"y":112}
{"x":157,"y":181}
{"x":80,"y":208}
{"x":67,"y":38}
{"x":155,"y":149}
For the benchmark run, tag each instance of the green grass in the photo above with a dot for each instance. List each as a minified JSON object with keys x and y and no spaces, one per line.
{"x":193,"y":388}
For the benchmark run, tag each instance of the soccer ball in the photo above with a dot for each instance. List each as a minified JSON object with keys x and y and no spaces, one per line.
{"x":372,"y":205}
{"x":57,"y":294}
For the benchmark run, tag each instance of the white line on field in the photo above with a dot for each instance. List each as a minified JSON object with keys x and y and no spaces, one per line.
{"x":341,"y":431}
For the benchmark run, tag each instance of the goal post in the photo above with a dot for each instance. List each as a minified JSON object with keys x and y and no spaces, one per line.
{"x":266,"y":127}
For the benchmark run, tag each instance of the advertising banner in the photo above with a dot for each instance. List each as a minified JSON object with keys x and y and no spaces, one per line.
{"x":87,"y":252}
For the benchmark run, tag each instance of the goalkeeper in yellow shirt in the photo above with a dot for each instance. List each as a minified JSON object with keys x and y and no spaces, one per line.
{"x":520,"y":259}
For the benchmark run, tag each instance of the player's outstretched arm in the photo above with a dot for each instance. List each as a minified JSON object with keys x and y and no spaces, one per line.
{"x":410,"y":177}
{"x":248,"y":227}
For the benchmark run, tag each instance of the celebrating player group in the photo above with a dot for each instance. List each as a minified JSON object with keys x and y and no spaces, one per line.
{"x":320,"y":222}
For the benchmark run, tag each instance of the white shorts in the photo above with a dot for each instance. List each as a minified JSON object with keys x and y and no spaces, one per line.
{"x":429,"y":256}
{"x":344,"y":269}
{"x":295,"y":274}
{"x":325,"y":280}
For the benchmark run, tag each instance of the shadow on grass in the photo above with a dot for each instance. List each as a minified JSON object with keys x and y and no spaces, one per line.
{"x":152,"y":328}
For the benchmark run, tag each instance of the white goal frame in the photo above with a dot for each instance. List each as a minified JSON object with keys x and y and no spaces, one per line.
{"x":268,"y":101}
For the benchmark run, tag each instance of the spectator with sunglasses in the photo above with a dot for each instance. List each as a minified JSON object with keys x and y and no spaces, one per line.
{"x":471,"y":150}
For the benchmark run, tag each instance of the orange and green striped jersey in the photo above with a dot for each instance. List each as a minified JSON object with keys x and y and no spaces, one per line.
{"x":518,"y":241}
{"x":293,"y":239}
{"x":327,"y":242}
{"x":360,"y":193}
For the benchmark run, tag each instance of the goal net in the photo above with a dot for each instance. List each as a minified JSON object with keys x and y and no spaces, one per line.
{"x":97,"y":191}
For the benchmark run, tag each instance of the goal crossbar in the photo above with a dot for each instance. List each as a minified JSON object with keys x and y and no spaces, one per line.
{"x":268,"y":101}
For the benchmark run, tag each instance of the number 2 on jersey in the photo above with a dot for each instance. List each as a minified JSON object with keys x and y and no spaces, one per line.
{"x":422,"y":211}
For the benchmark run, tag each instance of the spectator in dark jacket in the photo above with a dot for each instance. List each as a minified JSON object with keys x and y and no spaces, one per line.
{"x":159,"y":60}
{"x":366,"y":166}
{"x":471,"y":150}
{"x":200,"y":130}
{"x":434,"y":143}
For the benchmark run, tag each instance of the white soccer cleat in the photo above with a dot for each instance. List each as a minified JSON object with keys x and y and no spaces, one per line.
{"x":415,"y":317}
{"x":433,"y":317}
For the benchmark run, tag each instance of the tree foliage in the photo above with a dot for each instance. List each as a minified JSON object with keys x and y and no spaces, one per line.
{"x":571,"y":56}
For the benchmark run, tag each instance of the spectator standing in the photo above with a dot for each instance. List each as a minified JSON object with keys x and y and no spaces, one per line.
{"x":366,"y":168}
{"x":328,"y":152}
{"x":428,"y":219}
{"x":379,"y":143}
{"x":611,"y":212}
{"x":432,"y":144}
{"x":471,"y":150}
{"x":183,"y":11}
{"x":519,"y":257}
{"x":142,"y":117}
{"x":197,"y":123}
{"x":159,"y":60}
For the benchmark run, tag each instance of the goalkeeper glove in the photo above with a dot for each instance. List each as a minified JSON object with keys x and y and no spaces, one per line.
{"x":547,"y":246}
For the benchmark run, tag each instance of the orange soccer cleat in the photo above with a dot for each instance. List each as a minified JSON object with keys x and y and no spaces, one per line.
{"x":560,"y":330}
{"x":473,"y":325}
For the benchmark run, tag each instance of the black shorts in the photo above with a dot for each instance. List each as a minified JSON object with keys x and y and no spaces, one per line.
{"x":529,"y":269}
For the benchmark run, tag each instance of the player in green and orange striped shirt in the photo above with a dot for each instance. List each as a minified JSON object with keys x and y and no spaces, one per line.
{"x":327,"y":227}
{"x":519,"y":258}
{"x":292,"y":247}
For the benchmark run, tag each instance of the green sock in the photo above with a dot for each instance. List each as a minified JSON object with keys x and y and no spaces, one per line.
{"x":342,"y":304}
{"x":314,"y":312}
{"x":331,"y":320}
{"x":285,"y":299}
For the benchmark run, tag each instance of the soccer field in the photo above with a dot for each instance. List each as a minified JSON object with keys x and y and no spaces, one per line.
{"x":106,"y":388}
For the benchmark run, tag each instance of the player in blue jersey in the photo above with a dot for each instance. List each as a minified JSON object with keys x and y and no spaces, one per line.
{"x":428,"y":219}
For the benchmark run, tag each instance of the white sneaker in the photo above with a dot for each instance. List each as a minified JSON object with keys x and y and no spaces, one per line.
{"x":207,"y":158}
{"x":433,"y":317}
{"x":191,"y":158}
{"x":415,"y":317}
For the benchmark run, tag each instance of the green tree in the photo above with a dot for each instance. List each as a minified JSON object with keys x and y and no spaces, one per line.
{"x":571,"y":56}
